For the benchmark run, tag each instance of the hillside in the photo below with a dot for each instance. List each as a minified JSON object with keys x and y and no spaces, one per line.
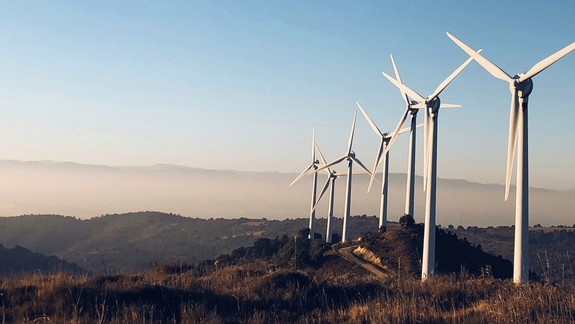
{"x":400,"y":250}
{"x":133,"y":241}
{"x":289,"y":280}
{"x":20,"y":261}
{"x":550,"y":248}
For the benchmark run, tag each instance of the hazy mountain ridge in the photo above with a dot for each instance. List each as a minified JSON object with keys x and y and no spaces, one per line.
{"x":47,"y":187}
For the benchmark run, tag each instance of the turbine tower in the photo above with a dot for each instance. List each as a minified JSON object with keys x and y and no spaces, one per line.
{"x":431,"y":104}
{"x":351,"y":159}
{"x":384,"y":140}
{"x":520,"y":86}
{"x":330,"y":183}
{"x":314,"y":165}
{"x":410,"y":174}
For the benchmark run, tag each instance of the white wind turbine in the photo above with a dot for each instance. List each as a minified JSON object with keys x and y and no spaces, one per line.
{"x":313,"y":166}
{"x":330,"y":183}
{"x":410,"y":174}
{"x":431,"y":104}
{"x":520,"y":86}
{"x":384,"y":140}
{"x":350,"y":157}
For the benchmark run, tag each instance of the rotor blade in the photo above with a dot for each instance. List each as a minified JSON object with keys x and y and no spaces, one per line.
{"x":313,"y":145}
{"x":398,"y":78}
{"x":304,"y":172}
{"x":322,"y":158}
{"x":360,"y":164}
{"x":404,"y":130}
{"x":450,"y":78}
{"x":485,"y":63}
{"x":350,"y":142}
{"x":545,"y":63}
{"x":420,"y":105}
{"x":376,"y":164}
{"x":404,"y":88}
{"x":369,"y":120}
{"x":407,"y":129}
{"x":448,"y":105}
{"x":512,"y":140}
{"x":332,"y":163}
{"x":396,"y":131}
{"x":323,"y":190}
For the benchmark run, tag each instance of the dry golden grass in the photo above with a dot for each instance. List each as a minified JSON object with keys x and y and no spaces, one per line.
{"x":256,"y":294}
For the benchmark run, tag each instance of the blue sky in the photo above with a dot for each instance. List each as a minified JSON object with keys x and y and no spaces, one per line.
{"x":241,"y":84}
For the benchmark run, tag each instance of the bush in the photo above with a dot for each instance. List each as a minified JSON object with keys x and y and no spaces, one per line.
{"x":406,"y":221}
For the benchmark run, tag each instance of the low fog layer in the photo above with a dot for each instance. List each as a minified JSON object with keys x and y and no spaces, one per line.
{"x":87,"y":191}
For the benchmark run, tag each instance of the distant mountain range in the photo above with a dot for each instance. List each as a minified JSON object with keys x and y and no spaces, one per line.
{"x":46,"y":187}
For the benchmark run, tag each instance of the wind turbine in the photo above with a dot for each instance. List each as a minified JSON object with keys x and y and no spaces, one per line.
{"x":520,"y":86}
{"x":410,"y":174}
{"x":351,"y":159}
{"x":384,"y":140}
{"x":431,"y":104}
{"x":314,"y":165}
{"x":330,"y":183}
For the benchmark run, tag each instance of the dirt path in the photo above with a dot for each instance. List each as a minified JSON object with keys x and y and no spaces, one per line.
{"x":347,"y":254}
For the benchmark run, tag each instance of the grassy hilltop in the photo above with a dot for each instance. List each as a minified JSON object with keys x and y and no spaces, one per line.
{"x":290,"y":279}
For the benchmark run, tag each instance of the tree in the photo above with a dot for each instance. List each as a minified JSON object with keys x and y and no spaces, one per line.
{"x":406,"y":221}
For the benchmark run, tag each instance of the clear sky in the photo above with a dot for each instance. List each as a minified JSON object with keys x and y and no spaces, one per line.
{"x":241,"y":84}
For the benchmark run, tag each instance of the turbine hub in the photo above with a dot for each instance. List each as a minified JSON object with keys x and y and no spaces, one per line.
{"x":352,"y":154}
{"x":434,"y":105}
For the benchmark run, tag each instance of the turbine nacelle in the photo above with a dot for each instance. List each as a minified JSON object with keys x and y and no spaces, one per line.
{"x":523,"y":88}
{"x":433,"y":105}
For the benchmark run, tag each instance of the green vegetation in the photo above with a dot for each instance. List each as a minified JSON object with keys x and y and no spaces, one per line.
{"x":131,"y":242}
{"x":551,"y":249}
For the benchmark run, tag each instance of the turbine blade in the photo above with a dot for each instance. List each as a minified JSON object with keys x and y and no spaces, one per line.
{"x":512,"y":140}
{"x":420,"y":105}
{"x":450,"y":78}
{"x":313,"y":145}
{"x":331,"y":163}
{"x":304,"y":172}
{"x":545,"y":63}
{"x":396,"y":131}
{"x":350,"y":142}
{"x":403,"y":87}
{"x":322,"y":158}
{"x":369,"y":120}
{"x":376,"y":164}
{"x":485,"y":63}
{"x":398,"y":78}
{"x":448,"y":105}
{"x":361,"y":165}
{"x":323,"y":190}
{"x":406,"y":129}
